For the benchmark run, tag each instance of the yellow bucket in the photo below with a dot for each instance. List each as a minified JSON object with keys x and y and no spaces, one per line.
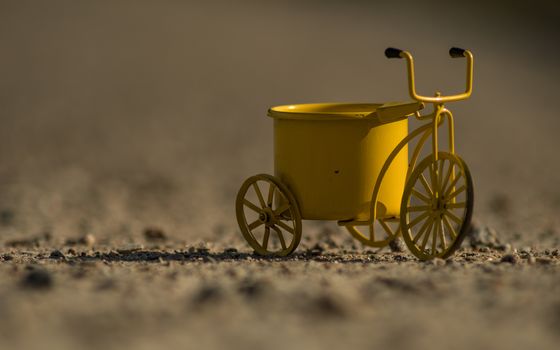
{"x":330,"y":154}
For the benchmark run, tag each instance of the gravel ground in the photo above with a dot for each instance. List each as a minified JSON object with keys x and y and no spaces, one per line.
{"x":165,"y":294}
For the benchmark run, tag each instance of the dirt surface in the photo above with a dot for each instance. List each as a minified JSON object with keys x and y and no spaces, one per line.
{"x":128,"y":127}
{"x":160,"y":293}
{"x":214,"y":296}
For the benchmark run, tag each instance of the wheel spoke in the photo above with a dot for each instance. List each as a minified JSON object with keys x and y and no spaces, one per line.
{"x":282,"y":209}
{"x":265,"y":238}
{"x":422,"y":229}
{"x":435,"y":235}
{"x":419,"y":208}
{"x":456,"y":205}
{"x":421,"y":196}
{"x":450,"y":228}
{"x":426,"y":186}
{"x":426,"y":236}
{"x":271,"y":189}
{"x":255,"y":224}
{"x":418,"y":219}
{"x":453,"y":217}
{"x":447,"y":176}
{"x":455,"y":193}
{"x":387,"y":228}
{"x":259,"y":194}
{"x":282,"y":196}
{"x":452,"y":184}
{"x":280,"y":237}
{"x":252,"y":206}
{"x":285,"y":227}
{"x":433,"y":179}
{"x":442,"y":235}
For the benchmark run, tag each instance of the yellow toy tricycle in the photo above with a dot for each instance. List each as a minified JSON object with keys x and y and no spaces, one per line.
{"x":350,"y":163}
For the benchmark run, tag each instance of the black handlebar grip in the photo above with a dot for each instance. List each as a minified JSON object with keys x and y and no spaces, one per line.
{"x":456,"y":52}
{"x":391,"y":52}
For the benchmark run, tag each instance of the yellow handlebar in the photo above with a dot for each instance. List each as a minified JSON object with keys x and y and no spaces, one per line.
{"x":454,"y":52}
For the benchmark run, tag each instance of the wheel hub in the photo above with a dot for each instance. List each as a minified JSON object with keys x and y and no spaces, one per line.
{"x":438,"y":207}
{"x":267,"y":217}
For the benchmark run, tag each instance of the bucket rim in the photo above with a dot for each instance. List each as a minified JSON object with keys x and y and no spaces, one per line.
{"x":324,"y":111}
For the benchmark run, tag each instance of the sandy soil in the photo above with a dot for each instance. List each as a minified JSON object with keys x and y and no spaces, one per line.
{"x":215,"y":295}
{"x":128,"y":127}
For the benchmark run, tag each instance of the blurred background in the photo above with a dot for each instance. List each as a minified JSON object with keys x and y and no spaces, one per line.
{"x":125,"y":114}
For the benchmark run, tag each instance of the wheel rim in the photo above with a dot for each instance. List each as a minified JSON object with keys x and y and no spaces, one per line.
{"x":436,"y":208}
{"x":268,"y":216}
{"x":379,"y":236}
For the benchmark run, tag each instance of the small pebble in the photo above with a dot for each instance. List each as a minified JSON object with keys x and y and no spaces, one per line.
{"x":315,"y":252}
{"x":88,"y":240}
{"x":510,"y":258}
{"x":202,"y":250}
{"x":318,"y":247}
{"x":106,"y":284}
{"x":397,"y":245}
{"x":80,"y":272}
{"x":325,"y":305}
{"x":154,"y":234}
{"x":506,"y":248}
{"x":482,"y":236}
{"x":37,"y":279}
{"x":285,"y":270}
{"x":208,"y":293}
{"x":57,"y":254}
{"x":251,"y":288}
{"x":7,"y":257}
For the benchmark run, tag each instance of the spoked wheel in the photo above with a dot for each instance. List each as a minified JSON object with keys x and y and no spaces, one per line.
{"x":379,"y":233}
{"x":437,"y":206}
{"x":268,"y":216}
